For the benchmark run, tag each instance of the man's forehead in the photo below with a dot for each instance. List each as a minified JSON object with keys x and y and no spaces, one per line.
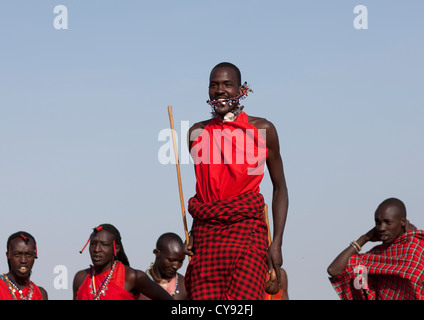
{"x":223,"y":73}
{"x":21,"y":243}
{"x":102,"y":235}
{"x":388,"y":212}
{"x":172,"y":248}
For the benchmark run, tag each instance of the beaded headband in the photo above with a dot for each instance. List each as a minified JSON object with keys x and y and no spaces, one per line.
{"x":243,"y":95}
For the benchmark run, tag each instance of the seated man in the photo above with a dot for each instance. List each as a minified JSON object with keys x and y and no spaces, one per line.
{"x":393,"y":270}
{"x":111,"y":277}
{"x":170,"y":256}
{"x":21,"y":254}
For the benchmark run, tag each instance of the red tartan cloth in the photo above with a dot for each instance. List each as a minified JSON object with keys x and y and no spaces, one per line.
{"x":230,"y":249}
{"x":394,"y":272}
{"x":5,"y":293}
{"x":229,"y":159}
{"x":114,"y":291}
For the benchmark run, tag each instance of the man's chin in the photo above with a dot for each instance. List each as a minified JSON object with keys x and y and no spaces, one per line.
{"x":222,"y":110}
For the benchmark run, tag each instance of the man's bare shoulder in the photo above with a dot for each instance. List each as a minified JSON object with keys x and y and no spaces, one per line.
{"x":44,"y":293}
{"x":82,"y":273}
{"x":200,"y":125}
{"x":260,"y":123}
{"x":132,"y":274}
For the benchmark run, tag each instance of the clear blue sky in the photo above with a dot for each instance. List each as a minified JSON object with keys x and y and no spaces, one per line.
{"x":81,"y":110}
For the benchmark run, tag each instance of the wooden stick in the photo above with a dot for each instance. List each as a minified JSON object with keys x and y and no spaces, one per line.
{"x":171,"y":121}
{"x":267,"y":223}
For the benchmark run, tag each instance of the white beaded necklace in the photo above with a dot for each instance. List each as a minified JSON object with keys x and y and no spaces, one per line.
{"x":13,"y":287}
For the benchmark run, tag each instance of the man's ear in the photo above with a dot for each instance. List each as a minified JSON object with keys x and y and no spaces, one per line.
{"x":403,"y":222}
{"x":156,"y":252}
{"x":117,"y":248}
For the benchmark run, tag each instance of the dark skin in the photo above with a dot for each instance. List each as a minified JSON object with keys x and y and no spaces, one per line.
{"x":390,"y":224}
{"x":224,"y":84}
{"x":167,"y":262}
{"x":102,"y":257}
{"x":22,"y":258}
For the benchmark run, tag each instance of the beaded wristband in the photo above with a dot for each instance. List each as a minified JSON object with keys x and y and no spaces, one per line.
{"x":356,"y":246}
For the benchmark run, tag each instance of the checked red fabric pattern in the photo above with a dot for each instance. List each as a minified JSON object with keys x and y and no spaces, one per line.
{"x":230,"y":249}
{"x":394,"y":272}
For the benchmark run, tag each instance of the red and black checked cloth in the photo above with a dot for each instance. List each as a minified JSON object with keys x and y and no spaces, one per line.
{"x":230,"y":249}
{"x":394,"y":272}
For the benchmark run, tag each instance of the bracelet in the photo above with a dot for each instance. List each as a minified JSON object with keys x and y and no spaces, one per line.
{"x":356,"y":246}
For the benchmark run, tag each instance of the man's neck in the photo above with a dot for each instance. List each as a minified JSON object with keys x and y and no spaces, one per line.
{"x":21,"y":282}
{"x":101,"y":269}
{"x":236,"y":110}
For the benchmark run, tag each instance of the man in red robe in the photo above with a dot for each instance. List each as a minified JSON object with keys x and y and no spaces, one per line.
{"x":393,"y":270}
{"x":16,"y":284}
{"x":228,"y":241}
{"x":111,"y":277}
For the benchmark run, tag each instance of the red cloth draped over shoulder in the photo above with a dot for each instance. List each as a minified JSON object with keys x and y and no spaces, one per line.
{"x":115,"y":289}
{"x":230,"y":249}
{"x":229,"y":159}
{"x":394,"y":272}
{"x":6,"y":294}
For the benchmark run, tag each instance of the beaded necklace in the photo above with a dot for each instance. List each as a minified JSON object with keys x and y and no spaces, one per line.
{"x":13,"y":287}
{"x":245,"y":91}
{"x":152,"y":276}
{"x":104,"y":286}
{"x":231,"y":116}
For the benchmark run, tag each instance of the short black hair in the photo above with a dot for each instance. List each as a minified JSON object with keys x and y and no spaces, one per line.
{"x":165,"y":238}
{"x":232,"y":66}
{"x":394,"y":202}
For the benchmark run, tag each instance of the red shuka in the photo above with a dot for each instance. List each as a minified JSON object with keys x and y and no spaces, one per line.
{"x":230,"y":233}
{"x":230,"y":249}
{"x":386,"y":272}
{"x":115,"y":289}
{"x":229,"y":159}
{"x":6,"y":294}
